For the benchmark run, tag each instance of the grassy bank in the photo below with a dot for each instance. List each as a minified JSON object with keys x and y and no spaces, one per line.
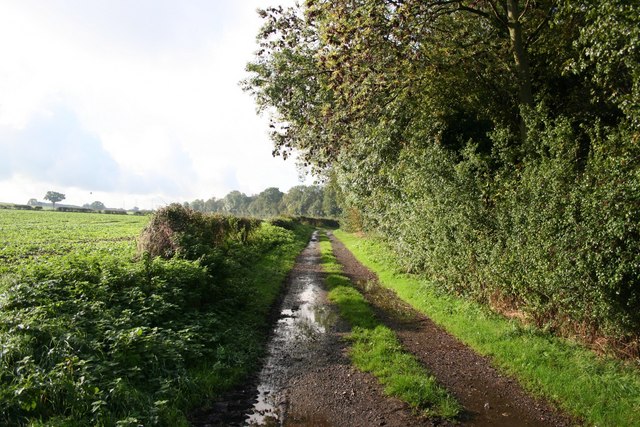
{"x":98,"y":338}
{"x":601,"y":391}
{"x":376,"y":349}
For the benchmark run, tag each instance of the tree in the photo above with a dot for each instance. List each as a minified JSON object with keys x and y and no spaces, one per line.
{"x":54,"y":197}
{"x":609,"y":52}
{"x":303,"y":200}
{"x":33,"y":202}
{"x":198,"y":205}
{"x":267,"y":203}
{"x":331,"y":198}
{"x":213,"y":205}
{"x":236,"y":203}
{"x":97,"y":206}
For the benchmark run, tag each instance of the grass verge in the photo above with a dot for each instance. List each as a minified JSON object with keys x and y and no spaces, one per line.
{"x":600,"y":391}
{"x":376,"y":349}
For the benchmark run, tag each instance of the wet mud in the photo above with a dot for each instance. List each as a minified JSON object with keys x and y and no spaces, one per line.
{"x":297,"y":336}
{"x":305,"y":318}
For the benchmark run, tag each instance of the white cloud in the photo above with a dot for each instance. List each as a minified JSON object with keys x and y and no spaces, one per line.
{"x":152,"y":87}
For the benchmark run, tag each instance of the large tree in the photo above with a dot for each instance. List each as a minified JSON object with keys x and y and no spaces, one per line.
{"x":54,"y":197}
{"x":492,"y":142}
{"x":438,"y":67}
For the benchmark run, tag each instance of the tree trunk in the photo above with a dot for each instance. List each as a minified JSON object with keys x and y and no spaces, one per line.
{"x":521,"y":60}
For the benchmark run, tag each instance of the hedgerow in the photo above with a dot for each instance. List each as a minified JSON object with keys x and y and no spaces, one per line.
{"x":551,"y":239}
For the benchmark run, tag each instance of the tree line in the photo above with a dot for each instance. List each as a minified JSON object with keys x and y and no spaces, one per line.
{"x":495,"y":145}
{"x":319,"y":201}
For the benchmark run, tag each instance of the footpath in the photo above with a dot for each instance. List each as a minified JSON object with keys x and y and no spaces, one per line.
{"x":310,"y":381}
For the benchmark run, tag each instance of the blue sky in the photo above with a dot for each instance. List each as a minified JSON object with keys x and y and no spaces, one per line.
{"x":133,"y":103}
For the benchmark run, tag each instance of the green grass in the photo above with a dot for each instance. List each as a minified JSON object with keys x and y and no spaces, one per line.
{"x":90,"y":335}
{"x":601,"y":391}
{"x":376,"y":349}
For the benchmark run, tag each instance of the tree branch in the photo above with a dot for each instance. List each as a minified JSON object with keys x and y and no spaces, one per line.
{"x":474,"y":11}
{"x":524,"y":10}
{"x":496,"y":13}
{"x":534,"y":35}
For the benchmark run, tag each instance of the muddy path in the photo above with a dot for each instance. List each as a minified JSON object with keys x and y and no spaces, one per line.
{"x":489,"y":397}
{"x":307,"y":379}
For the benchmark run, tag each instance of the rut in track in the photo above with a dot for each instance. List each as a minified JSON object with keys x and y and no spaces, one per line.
{"x":489,"y":397}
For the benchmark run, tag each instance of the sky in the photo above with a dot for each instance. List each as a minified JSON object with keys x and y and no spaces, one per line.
{"x":132,"y":102}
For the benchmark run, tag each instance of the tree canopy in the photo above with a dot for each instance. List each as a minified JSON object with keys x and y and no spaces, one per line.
{"x":301,"y":200}
{"x":494,"y":144}
{"x":54,"y":197}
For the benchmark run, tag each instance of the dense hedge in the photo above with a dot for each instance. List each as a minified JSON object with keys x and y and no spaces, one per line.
{"x":178,"y":229}
{"x":556,"y":240}
{"x":493,"y":144}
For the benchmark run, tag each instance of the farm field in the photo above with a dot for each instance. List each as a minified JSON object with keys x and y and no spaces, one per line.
{"x":93,"y":332}
{"x":36,"y":236}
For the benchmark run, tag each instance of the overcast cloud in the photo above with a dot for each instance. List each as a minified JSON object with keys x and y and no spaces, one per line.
{"x":131,"y":102}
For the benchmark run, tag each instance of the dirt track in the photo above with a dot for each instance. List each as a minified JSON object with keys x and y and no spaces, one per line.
{"x":320,"y":388}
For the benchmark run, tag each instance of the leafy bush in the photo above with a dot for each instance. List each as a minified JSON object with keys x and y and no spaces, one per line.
{"x":77,"y":335}
{"x":553,"y":235}
{"x":176,"y":229}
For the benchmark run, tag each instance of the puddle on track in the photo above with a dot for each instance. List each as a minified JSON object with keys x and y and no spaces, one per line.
{"x":304,"y":319}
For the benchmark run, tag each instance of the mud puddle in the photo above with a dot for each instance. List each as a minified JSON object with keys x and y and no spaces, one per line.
{"x":304,"y":319}
{"x":298,"y":334}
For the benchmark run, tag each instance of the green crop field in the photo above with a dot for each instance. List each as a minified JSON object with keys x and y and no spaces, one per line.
{"x":28,"y":237}
{"x":95,"y":332}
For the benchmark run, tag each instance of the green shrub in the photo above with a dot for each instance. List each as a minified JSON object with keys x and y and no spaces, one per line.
{"x":176,"y":229}
{"x":538,"y":228}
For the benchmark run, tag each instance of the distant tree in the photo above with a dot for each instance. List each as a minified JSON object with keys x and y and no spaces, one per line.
{"x":54,"y":196}
{"x":198,"y":205}
{"x":97,"y":205}
{"x":213,"y":205}
{"x":267,"y":203}
{"x":236,"y":203}
{"x":33,"y":202}
{"x":303,"y":200}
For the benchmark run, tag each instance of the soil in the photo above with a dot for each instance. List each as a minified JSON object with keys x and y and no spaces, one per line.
{"x":319,"y":387}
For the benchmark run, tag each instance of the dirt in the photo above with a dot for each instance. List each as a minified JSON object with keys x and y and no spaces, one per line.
{"x":307,"y":379}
